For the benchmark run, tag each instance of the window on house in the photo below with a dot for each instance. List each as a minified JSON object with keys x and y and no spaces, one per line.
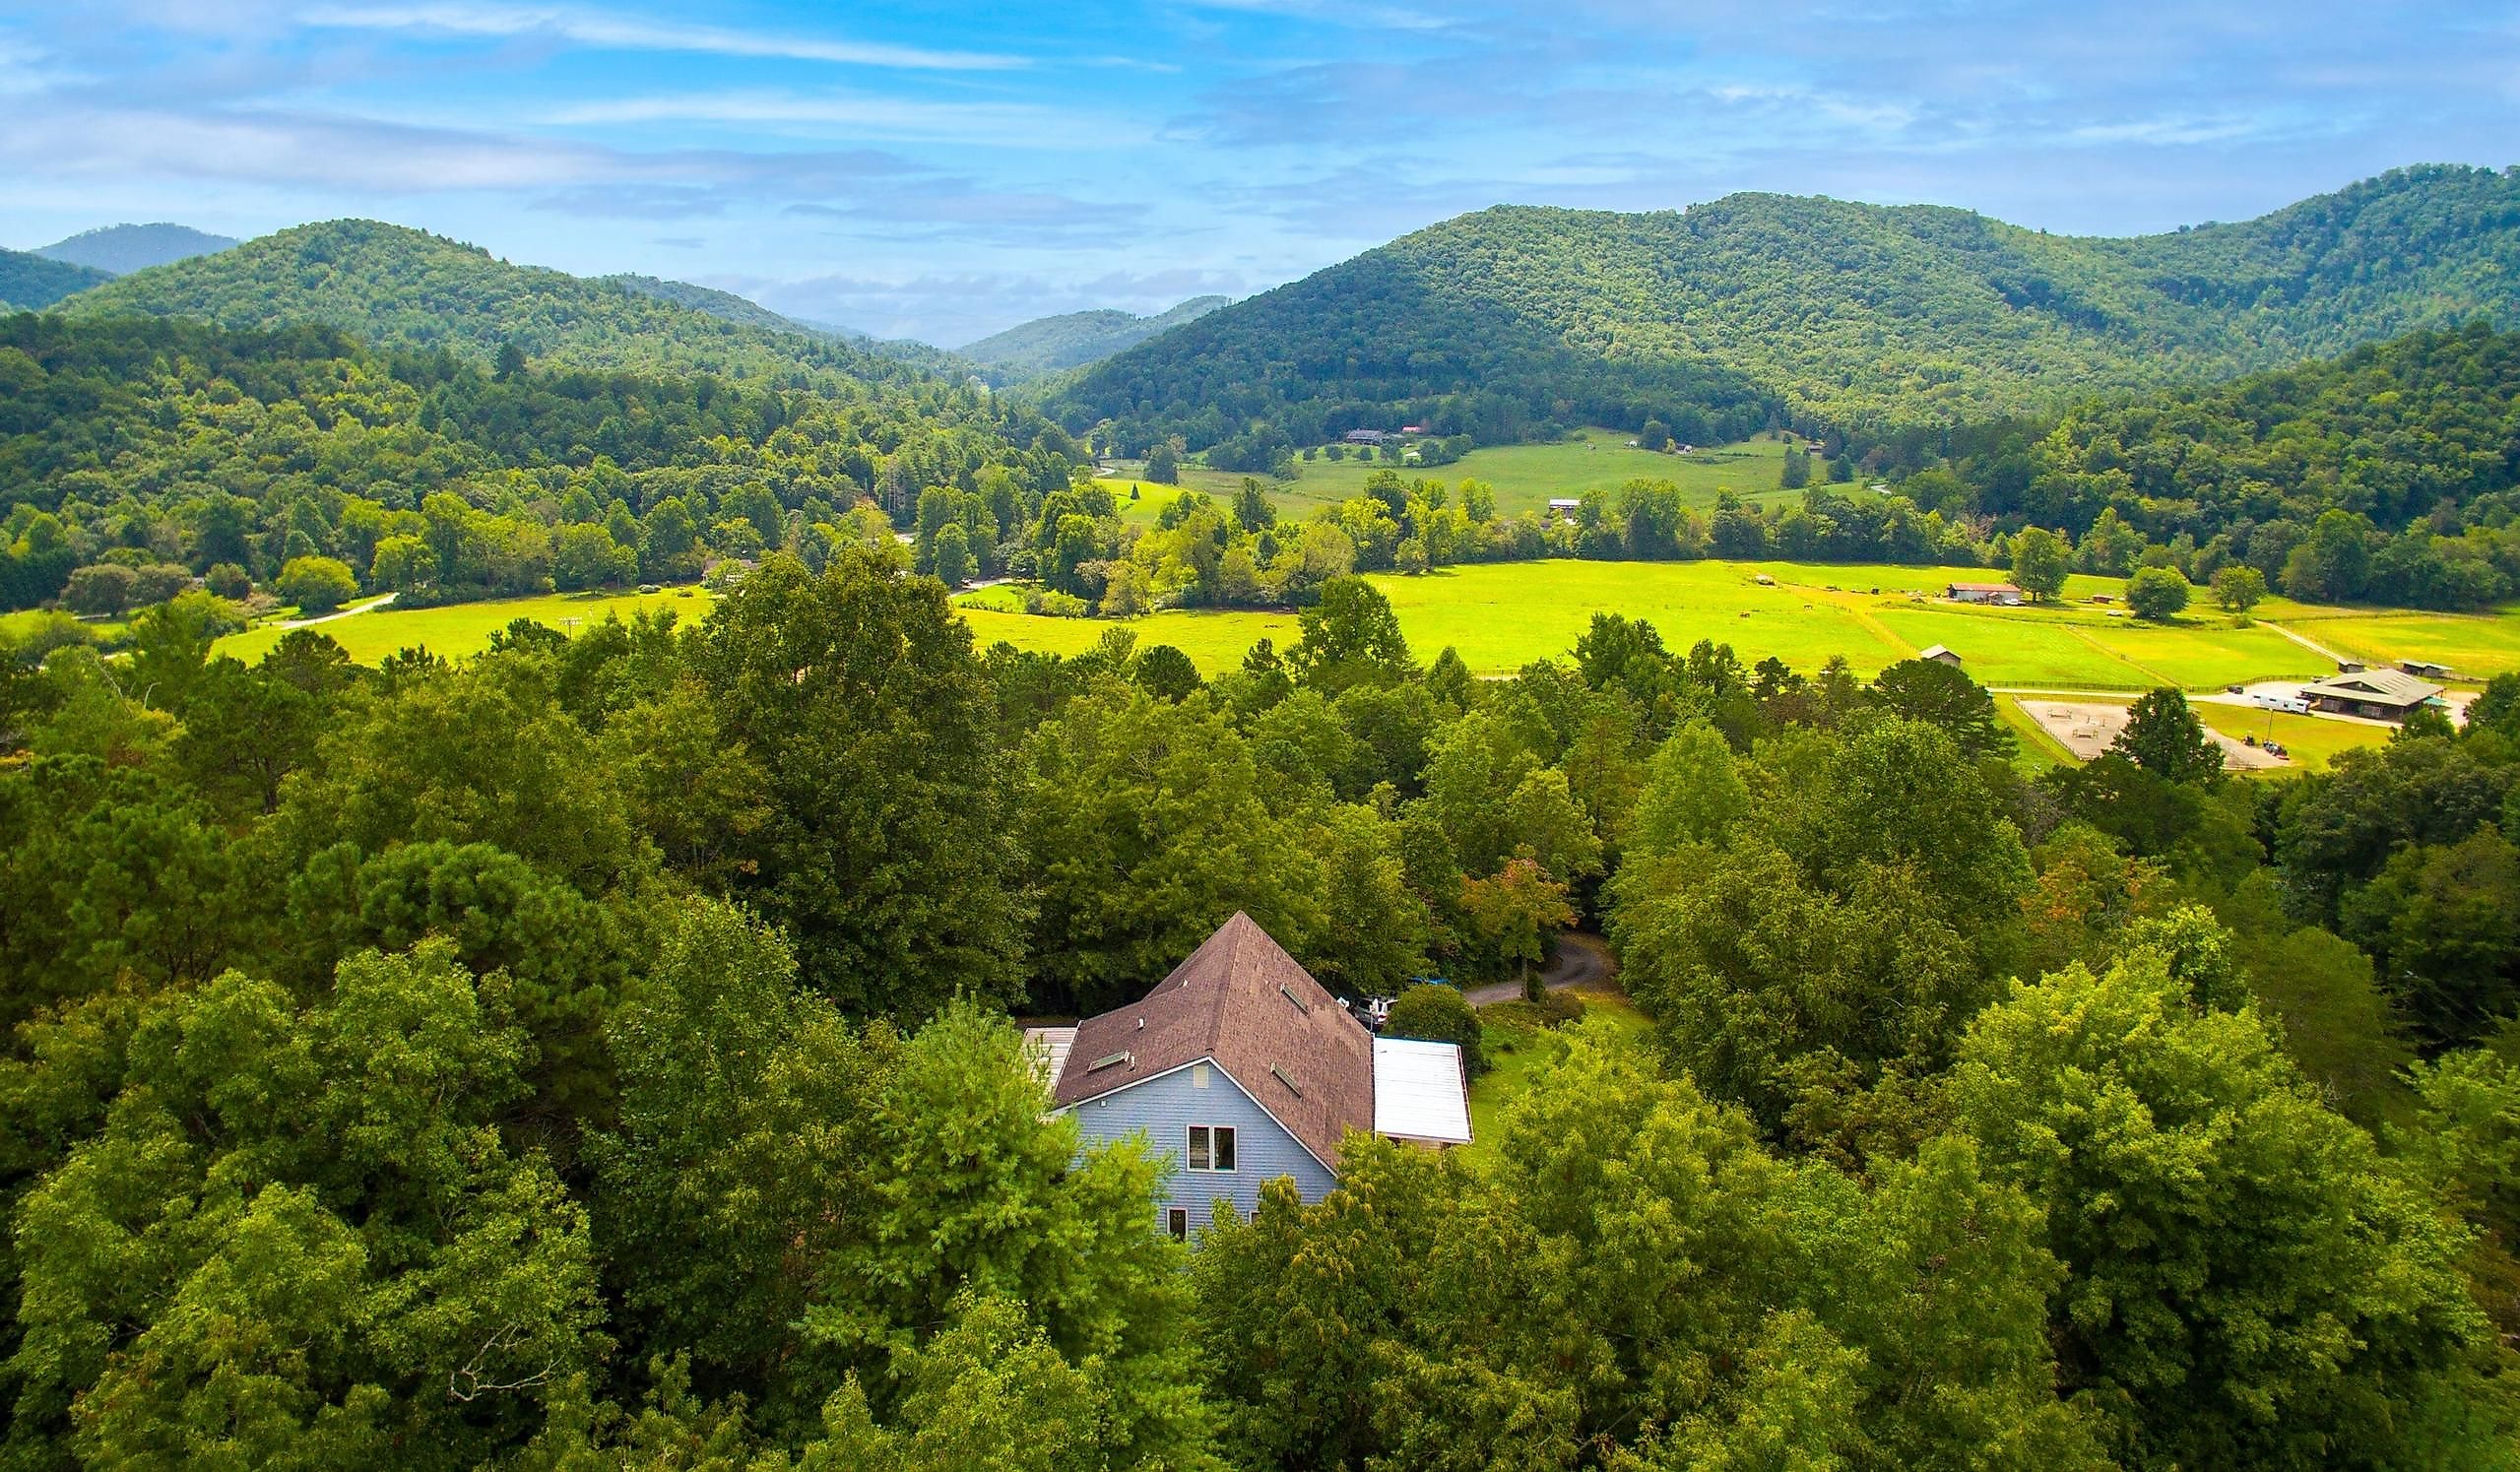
{"x":1177,"y":1222}
{"x":1211,"y":1147}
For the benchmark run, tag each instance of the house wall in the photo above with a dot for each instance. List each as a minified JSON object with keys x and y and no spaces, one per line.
{"x":1163,"y":1110}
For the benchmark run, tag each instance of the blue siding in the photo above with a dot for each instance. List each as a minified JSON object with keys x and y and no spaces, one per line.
{"x":1164,"y":1109}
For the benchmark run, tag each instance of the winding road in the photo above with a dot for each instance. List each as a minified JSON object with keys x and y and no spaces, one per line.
{"x":1582,"y":960}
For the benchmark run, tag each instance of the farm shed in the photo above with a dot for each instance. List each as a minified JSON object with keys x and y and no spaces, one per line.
{"x":2374,"y":694}
{"x":2003,"y":595}
{"x":1940,"y":654}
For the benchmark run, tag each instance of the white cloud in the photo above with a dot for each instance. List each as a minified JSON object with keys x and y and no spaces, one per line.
{"x":633,"y":33}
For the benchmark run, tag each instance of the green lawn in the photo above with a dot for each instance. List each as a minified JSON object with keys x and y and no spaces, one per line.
{"x":1214,"y":639}
{"x":1516,"y":1054}
{"x":2313,"y":740}
{"x":461,"y":629}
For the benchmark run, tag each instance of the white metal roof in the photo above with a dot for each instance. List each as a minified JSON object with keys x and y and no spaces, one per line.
{"x":1419,"y":1093}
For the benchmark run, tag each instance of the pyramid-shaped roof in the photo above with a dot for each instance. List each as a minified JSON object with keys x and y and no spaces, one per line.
{"x":1243,"y":1004}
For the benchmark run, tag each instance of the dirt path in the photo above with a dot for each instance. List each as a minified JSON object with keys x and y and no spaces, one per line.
{"x":369,"y":605}
{"x":2304,"y":640}
{"x":1582,"y":960}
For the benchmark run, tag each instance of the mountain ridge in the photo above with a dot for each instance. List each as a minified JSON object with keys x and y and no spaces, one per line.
{"x":1517,"y":318}
{"x":395,"y":287}
{"x":1075,"y":340}
{"x":121,"y":249}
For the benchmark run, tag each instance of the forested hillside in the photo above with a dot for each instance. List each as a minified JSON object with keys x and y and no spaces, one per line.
{"x":1827,"y":313}
{"x":1047,"y":345}
{"x":2389,"y":474}
{"x":595,"y":1055}
{"x":121,"y":249}
{"x":172,"y":449}
{"x":30,"y":282}
{"x":396,"y":288}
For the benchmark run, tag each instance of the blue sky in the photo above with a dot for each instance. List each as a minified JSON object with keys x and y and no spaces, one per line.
{"x":943,"y":171}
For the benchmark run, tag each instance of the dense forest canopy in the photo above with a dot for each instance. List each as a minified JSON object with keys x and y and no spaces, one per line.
{"x":594,"y":1055}
{"x":31,"y":281}
{"x":167,"y":444}
{"x":1830,"y":314}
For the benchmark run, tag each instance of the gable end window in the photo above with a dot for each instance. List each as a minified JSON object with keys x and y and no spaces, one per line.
{"x":1211,"y":1147}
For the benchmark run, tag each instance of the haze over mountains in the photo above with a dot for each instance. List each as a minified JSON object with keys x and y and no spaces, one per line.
{"x":1070,"y":340}
{"x":125,"y":248}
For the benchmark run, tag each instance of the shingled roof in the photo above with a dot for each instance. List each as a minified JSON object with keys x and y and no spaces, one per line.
{"x":1241,"y":1001}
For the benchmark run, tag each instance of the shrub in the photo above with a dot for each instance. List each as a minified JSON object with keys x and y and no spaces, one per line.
{"x":1438,"y":1014}
{"x":229,"y":581}
{"x":316,"y":585}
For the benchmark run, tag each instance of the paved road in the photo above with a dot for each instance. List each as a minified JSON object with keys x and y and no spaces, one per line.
{"x":1580,"y":960}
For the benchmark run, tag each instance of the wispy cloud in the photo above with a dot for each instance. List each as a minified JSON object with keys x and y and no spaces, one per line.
{"x":1007,"y":124}
{"x":609,"y":32}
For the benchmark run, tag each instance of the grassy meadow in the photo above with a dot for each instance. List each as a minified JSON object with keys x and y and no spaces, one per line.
{"x":458,"y":630}
{"x":1524,"y":477}
{"x":1515,"y":1054}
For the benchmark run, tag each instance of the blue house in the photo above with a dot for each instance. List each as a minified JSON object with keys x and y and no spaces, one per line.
{"x":1242,"y":1069}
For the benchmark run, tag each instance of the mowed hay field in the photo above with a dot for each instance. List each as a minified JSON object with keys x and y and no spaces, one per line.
{"x":458,"y":630}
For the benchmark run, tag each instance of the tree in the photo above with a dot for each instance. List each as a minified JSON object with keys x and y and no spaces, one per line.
{"x":585,"y":555}
{"x":887,"y":855}
{"x":2041,"y":561}
{"x":1164,"y":463}
{"x":1516,"y":910}
{"x":316,"y":585}
{"x":2164,"y":737}
{"x":1943,"y":696}
{"x":2239,"y":587}
{"x":951,"y":554}
{"x":1145,"y":830}
{"x":1165,"y":673}
{"x":100,"y":590}
{"x":1350,"y":637}
{"x":2250,"y":1283}
{"x":1655,"y":436}
{"x":1797,"y":471}
{"x":1435,"y":1013}
{"x":2157,"y":592}
{"x":1693,"y":793}
{"x":2439,"y":920}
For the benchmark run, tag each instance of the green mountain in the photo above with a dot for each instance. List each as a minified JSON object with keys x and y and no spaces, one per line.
{"x":403,"y":288}
{"x":743,"y":309}
{"x":1513,"y":320}
{"x":120,"y":249}
{"x":1072,"y":339}
{"x":30,"y":283}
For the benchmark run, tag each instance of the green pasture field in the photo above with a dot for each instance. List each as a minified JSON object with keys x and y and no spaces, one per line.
{"x":1215,"y":639}
{"x":458,"y":630}
{"x":1525,"y":477}
{"x":2478,"y":646}
{"x":1503,"y":615}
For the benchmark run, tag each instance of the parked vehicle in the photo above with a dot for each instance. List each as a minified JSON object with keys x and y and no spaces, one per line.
{"x":2272,"y":700}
